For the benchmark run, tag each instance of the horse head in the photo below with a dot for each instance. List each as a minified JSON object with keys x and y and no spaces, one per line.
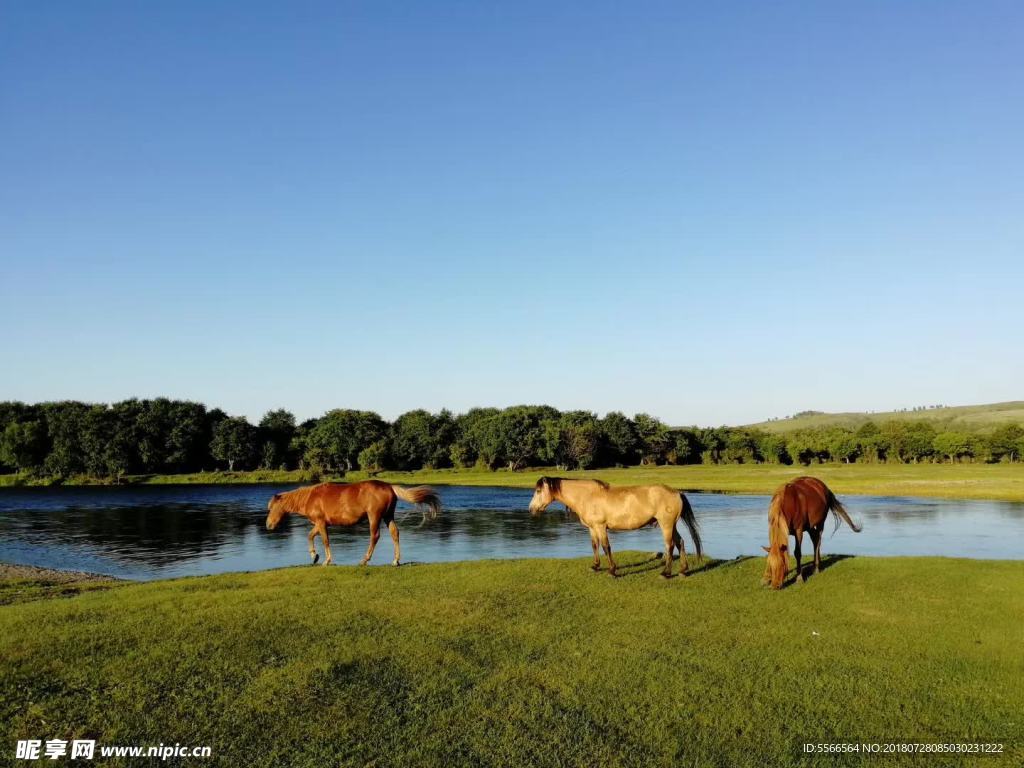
{"x":543,"y":494}
{"x":275,"y":511}
{"x":778,"y":563}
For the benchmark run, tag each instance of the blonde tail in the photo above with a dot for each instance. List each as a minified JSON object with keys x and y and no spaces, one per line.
{"x":421,"y":495}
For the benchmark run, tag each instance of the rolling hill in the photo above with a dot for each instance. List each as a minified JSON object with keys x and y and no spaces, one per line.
{"x":966,"y":417}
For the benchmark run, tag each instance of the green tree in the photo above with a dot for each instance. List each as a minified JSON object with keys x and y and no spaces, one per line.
{"x":340,"y":435}
{"x":374,"y":457}
{"x":276,"y":431}
{"x":620,"y":444}
{"x":553,"y":450}
{"x":652,"y":437}
{"x":471,"y":431}
{"x":712,"y":444}
{"x":413,"y":440}
{"x":979,"y":448}
{"x":234,"y":441}
{"x":952,"y":445}
{"x":870,"y":444}
{"x":189,"y":437}
{"x":772,"y":448}
{"x":1005,"y":442}
{"x":572,"y":440}
{"x":740,"y":447}
{"x":802,"y":445}
{"x":152,"y":432}
{"x":64,"y":431}
{"x":23,"y":445}
{"x":518,"y":435}
{"x":842,"y":445}
{"x":97,"y":430}
{"x":684,"y":447}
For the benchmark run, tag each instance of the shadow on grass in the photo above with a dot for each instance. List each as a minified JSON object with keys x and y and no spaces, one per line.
{"x":657,"y":563}
{"x":827,"y":561}
{"x":636,"y":568}
{"x":710,"y":564}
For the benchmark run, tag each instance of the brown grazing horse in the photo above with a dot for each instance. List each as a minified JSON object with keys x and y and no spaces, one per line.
{"x":338,"y":504}
{"x":799,"y":505}
{"x":602,"y":508}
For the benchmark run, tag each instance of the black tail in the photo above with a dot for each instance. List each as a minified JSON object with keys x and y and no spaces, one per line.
{"x":691,"y":526}
{"x":840,"y":512}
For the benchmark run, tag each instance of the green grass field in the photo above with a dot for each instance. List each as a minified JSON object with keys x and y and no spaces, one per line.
{"x":539,"y":663}
{"x":955,"y":481}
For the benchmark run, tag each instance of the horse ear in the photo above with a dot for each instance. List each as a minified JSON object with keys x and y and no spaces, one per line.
{"x":766,"y":549}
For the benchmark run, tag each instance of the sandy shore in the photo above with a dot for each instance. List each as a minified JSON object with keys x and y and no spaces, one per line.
{"x":11,"y":571}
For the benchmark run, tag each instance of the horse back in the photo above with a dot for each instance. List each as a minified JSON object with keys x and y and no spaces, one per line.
{"x":347,"y":504}
{"x":804,"y":503}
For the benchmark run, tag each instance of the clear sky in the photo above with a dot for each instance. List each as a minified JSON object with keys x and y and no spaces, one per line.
{"x":713,"y":212}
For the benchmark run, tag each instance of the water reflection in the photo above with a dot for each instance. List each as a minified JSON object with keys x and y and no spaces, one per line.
{"x":158,"y":532}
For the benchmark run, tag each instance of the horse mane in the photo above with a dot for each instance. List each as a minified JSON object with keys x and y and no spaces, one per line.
{"x":555,"y":483}
{"x":778,"y":528}
{"x":298,"y":500}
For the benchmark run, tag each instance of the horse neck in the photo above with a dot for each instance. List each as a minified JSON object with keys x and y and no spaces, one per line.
{"x":297,"y":502}
{"x":571,"y":493}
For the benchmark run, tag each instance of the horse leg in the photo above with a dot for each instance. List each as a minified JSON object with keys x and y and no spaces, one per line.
{"x":607,"y":546}
{"x":816,"y":541}
{"x":594,"y":541}
{"x":327,"y":543}
{"x":312,"y":544}
{"x":389,"y":519}
{"x":670,"y":542}
{"x":680,"y":543}
{"x":799,"y":536}
{"x":374,"y":536}
{"x":393,"y":530}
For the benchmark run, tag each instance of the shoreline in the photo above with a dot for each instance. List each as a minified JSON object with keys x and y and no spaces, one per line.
{"x":16,"y":571}
{"x":992,"y":482}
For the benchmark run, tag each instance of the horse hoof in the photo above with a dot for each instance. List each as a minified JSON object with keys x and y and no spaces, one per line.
{"x":395,"y":563}
{"x":316,"y":559}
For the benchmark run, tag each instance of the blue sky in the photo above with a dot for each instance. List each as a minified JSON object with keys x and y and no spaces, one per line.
{"x":714,"y":214}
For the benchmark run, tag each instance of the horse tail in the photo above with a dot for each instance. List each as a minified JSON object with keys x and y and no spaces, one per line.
{"x":840,"y":513}
{"x":421,"y":495}
{"x":691,"y":525}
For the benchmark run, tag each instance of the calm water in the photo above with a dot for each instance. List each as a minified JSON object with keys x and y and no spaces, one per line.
{"x":160,"y":532}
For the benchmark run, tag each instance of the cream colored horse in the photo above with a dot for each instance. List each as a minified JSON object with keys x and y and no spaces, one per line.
{"x":602,"y":508}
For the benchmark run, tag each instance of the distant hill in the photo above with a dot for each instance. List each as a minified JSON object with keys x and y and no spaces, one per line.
{"x":969,"y":417}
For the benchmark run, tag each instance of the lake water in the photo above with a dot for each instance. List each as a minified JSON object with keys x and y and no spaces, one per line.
{"x":165,"y":531}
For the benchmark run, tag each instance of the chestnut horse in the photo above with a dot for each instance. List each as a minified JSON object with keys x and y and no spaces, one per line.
{"x":602,"y":508}
{"x":799,"y":505}
{"x":337,"y":504}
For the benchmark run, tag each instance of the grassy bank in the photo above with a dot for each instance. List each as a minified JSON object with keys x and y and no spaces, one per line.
{"x":954,"y":481}
{"x":526,"y":663}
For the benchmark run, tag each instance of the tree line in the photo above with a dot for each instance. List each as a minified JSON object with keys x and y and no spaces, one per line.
{"x":164,"y":436}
